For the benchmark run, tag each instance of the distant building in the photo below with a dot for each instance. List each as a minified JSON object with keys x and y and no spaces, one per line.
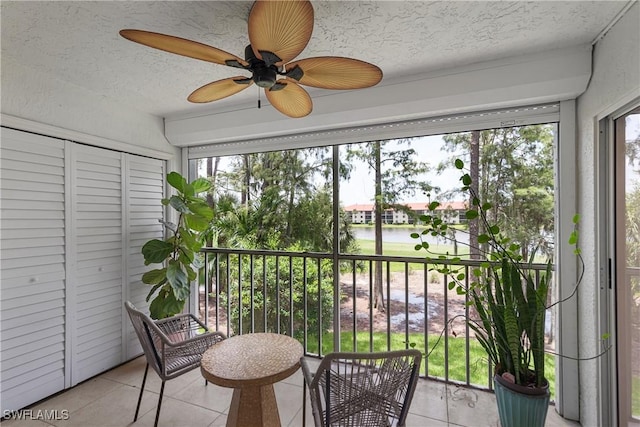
{"x":452,"y":213}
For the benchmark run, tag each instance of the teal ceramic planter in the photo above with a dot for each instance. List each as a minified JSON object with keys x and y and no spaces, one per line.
{"x":520,"y":406}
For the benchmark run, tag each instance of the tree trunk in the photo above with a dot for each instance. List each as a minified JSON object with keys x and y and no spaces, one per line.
{"x":209,"y":175}
{"x":474,"y":250}
{"x":210,"y":201}
{"x":244,"y":197}
{"x":378,"y":299}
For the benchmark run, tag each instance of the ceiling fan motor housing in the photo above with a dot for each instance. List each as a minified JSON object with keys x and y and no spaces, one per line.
{"x":263,"y":75}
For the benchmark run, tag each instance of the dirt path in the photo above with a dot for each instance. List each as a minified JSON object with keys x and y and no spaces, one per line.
{"x":417,"y":304}
{"x":434,"y":302}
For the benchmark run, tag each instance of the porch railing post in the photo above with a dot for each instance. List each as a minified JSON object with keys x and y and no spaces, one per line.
{"x":336,"y":248}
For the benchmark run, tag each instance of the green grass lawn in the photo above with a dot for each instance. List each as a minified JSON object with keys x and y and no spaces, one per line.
{"x":635,"y":396}
{"x":478,"y":369}
{"x":367,"y":247}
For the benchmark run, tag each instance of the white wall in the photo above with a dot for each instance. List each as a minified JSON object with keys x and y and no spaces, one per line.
{"x":32,"y":95}
{"x":615,"y":81}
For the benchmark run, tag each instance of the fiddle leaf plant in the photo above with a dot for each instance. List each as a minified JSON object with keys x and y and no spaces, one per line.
{"x":178,"y":251}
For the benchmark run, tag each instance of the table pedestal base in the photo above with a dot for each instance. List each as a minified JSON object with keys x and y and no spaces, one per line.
{"x":253,"y":406}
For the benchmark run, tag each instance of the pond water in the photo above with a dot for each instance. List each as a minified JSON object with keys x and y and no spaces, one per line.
{"x":412,"y":299}
{"x":402,"y":235}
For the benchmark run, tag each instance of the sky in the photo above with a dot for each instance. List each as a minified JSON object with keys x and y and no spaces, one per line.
{"x":360,"y":188}
{"x":632,"y":131}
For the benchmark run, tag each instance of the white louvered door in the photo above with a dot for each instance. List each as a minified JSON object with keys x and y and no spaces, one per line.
{"x":32,"y":267}
{"x":96,"y":267}
{"x":73,"y":219}
{"x":145,"y":184}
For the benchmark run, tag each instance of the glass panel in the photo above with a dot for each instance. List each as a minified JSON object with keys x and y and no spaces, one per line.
{"x":276,"y":201}
{"x":514,"y":170}
{"x":628,"y":138}
{"x":389,"y":296}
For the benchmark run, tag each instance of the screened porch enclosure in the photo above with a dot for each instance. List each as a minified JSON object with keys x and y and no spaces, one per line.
{"x":294,"y":246}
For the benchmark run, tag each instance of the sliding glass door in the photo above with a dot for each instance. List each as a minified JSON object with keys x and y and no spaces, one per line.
{"x":627,"y":139}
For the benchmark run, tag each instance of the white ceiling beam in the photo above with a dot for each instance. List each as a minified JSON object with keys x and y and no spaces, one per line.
{"x":520,"y":80}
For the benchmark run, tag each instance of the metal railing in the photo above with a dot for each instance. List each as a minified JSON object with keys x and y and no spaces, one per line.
{"x":294,"y":293}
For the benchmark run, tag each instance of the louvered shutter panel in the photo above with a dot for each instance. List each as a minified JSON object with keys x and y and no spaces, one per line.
{"x":145,"y":189}
{"x":32,"y":267}
{"x":97,"y":233}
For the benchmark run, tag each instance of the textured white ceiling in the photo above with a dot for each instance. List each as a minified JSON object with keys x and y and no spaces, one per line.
{"x":78,"y":41}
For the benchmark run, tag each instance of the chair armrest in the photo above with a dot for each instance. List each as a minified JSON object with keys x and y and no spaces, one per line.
{"x":209,"y":337}
{"x":181,"y":317}
{"x":193,"y":346}
{"x":182,"y":329}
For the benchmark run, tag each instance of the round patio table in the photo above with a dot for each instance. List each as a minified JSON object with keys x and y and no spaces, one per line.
{"x":251,"y":364}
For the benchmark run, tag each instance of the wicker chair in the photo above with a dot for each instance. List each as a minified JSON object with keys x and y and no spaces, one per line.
{"x":172,"y":346}
{"x":362,"y":389}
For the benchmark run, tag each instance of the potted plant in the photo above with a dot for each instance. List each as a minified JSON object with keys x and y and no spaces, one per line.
{"x":510,"y":308}
{"x":178,"y":251}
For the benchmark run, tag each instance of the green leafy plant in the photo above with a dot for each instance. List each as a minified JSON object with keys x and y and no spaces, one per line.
{"x":260,"y":305}
{"x":178,"y":251}
{"x":509,"y":303}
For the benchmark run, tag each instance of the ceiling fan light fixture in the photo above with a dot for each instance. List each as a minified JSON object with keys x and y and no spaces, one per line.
{"x":265,"y":77}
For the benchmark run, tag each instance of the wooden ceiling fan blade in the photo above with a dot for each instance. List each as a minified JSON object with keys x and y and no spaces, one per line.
{"x":334,"y":72}
{"x":280,"y":27}
{"x":181,"y":46}
{"x":220,"y":89}
{"x":292,"y":100}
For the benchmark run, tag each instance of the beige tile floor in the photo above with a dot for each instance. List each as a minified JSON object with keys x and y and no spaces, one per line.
{"x":110,"y":400}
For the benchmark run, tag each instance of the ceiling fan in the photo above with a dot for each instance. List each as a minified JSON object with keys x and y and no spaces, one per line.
{"x":278,"y":32}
